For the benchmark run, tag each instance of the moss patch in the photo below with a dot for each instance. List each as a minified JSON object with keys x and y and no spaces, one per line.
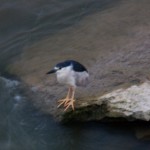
{"x":92,"y":112}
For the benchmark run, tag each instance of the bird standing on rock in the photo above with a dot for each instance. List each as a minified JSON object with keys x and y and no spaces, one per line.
{"x":73,"y":74}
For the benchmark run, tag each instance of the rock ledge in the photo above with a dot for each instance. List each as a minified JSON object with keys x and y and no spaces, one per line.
{"x":132,"y":103}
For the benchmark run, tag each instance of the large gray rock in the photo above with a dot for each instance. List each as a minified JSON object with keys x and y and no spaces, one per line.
{"x":133,"y":102}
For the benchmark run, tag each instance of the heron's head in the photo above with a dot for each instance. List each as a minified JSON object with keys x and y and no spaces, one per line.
{"x":61,"y":68}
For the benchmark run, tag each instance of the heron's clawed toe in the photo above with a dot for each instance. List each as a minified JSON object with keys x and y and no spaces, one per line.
{"x":63,"y":102}
{"x":70,"y":103}
{"x":67,"y":103}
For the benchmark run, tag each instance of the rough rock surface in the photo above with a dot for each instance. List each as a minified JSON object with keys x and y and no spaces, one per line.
{"x":114,"y":45}
{"x":131,"y":103}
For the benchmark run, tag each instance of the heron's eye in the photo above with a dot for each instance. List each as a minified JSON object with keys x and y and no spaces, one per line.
{"x":59,"y":68}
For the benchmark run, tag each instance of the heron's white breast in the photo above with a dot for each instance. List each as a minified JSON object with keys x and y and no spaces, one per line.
{"x":66,"y":76}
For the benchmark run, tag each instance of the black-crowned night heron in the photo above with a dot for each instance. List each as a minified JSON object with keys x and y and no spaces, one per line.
{"x":73,"y":74}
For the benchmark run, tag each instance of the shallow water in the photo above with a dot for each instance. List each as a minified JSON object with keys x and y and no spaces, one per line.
{"x":22,"y":126}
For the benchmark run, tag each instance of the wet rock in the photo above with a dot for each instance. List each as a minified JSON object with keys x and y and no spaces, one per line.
{"x":143,"y":132}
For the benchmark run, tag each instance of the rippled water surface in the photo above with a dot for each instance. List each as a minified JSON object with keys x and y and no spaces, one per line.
{"x":22,"y":127}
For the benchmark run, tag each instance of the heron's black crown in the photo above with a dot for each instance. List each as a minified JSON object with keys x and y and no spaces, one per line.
{"x":76,"y":65}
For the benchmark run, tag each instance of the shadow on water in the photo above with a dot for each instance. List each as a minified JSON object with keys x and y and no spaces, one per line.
{"x":23,"y":127}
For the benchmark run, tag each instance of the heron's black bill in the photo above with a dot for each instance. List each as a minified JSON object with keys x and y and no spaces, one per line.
{"x":51,"y":71}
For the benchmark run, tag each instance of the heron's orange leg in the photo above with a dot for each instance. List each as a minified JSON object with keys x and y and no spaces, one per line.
{"x":66,"y":100}
{"x":71,"y":101}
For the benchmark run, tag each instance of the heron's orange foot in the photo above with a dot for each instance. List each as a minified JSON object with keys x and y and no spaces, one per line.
{"x":70,"y":103}
{"x":63,"y":102}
